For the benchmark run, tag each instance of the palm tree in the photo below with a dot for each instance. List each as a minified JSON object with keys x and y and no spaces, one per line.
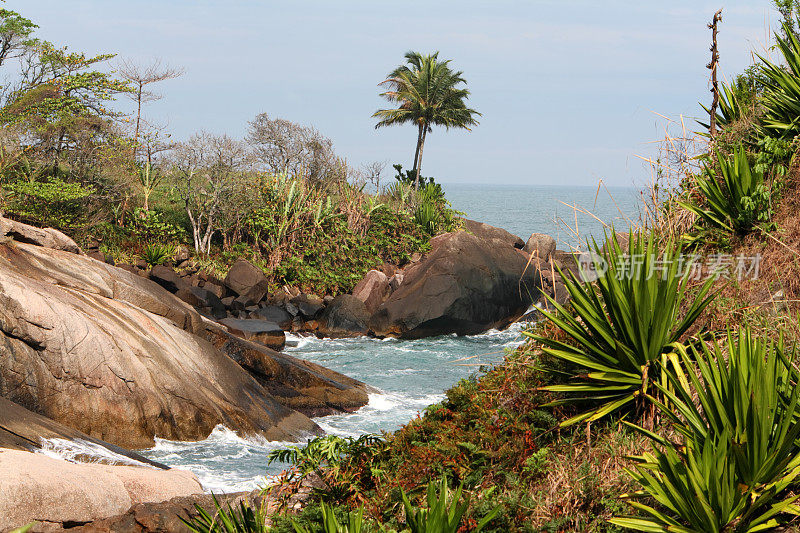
{"x":428,"y":93}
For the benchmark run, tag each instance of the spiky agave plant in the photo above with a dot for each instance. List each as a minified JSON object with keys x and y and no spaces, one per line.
{"x":622,"y":328}
{"x":444,"y":511}
{"x":330,"y":524}
{"x":228,"y":519}
{"x":735,"y":405}
{"x":734,"y":199}
{"x":781,"y":99}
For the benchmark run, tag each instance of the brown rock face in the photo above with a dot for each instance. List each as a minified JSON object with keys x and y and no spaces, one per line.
{"x":345,"y":316}
{"x":34,"y":487}
{"x":246,"y":279}
{"x":297,"y":384}
{"x":491,"y":233}
{"x":464,"y":285}
{"x":45,"y":237}
{"x":113,"y":355}
{"x":373,"y":290}
{"x":21,"y":429}
{"x":540,"y":245}
{"x":255,"y":330}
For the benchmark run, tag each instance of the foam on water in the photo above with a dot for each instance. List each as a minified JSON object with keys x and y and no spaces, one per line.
{"x":409,"y":375}
{"x":84,"y":452}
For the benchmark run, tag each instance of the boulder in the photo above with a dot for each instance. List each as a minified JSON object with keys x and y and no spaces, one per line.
{"x":202,"y":298}
{"x":181,"y":255}
{"x":21,"y":429}
{"x":491,"y":233}
{"x":34,"y":487}
{"x":260,"y":331}
{"x":168,"y":278}
{"x":396,"y":280}
{"x":464,"y":285}
{"x":372,"y":290}
{"x":114,"y":356}
{"x":246,"y":279}
{"x":346,"y":316}
{"x":308,"y":305}
{"x":297,"y":384}
{"x":540,"y":245}
{"x":44,"y":237}
{"x":275,"y":314}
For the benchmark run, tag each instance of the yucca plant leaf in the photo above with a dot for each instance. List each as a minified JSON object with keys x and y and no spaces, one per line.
{"x":622,"y":327}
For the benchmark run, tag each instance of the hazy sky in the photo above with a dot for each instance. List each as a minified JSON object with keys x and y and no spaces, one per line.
{"x":567,"y":88}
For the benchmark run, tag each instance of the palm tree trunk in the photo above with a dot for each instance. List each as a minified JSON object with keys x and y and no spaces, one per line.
{"x":416,"y":152}
{"x":419,"y":160}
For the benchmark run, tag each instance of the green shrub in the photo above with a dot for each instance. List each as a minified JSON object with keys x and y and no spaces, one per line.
{"x":157,"y":254}
{"x":444,"y":511}
{"x":781,"y":97}
{"x":736,"y":407}
{"x":228,"y":519}
{"x":152,"y":226}
{"x":621,"y":329}
{"x":733,"y":200}
{"x":52,"y":203}
{"x":330,"y":524}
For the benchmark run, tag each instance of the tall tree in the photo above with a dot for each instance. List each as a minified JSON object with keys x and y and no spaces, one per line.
{"x":208,"y":166}
{"x":60,"y":97}
{"x":140,"y":76}
{"x":427,"y":93}
{"x":15,"y":34}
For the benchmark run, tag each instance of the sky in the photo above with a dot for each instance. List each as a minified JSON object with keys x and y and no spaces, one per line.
{"x":570,"y":91}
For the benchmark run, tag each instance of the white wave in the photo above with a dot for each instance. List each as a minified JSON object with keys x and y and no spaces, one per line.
{"x":82,"y":451}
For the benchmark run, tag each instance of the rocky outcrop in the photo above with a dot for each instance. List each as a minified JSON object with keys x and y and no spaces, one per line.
{"x":21,"y":429}
{"x":44,"y":237}
{"x":492,"y":233}
{"x":114,"y":355}
{"x":345,"y":316}
{"x":57,"y":493}
{"x":254,"y":330}
{"x":540,"y":245}
{"x":247,"y":280}
{"x":297,"y":384}
{"x":464,"y":285}
{"x":373,"y":290}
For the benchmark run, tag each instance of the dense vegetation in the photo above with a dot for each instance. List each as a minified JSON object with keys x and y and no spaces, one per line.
{"x":658,"y":402}
{"x":282,"y":197}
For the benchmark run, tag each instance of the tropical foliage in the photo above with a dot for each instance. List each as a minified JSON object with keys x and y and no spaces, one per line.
{"x":781,"y":98}
{"x":734,"y":199}
{"x":242,"y":518}
{"x":735,"y":405}
{"x":427,"y":93}
{"x":622,"y":328}
{"x":444,"y":511}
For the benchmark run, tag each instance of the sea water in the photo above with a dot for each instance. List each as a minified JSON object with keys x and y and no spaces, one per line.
{"x":409,"y":375}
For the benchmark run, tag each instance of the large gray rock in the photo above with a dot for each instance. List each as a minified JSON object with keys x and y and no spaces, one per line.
{"x":491,"y":233}
{"x":246,"y":279}
{"x":372,"y":290}
{"x":464,"y":285}
{"x":45,"y":237}
{"x":34,"y":487}
{"x":540,"y":245}
{"x":260,"y":331}
{"x":345,"y":316}
{"x":297,"y":384}
{"x":275,"y":314}
{"x":21,"y":429}
{"x":113,"y":355}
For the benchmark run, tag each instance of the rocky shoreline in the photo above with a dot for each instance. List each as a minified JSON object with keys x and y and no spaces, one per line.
{"x":117,"y":355}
